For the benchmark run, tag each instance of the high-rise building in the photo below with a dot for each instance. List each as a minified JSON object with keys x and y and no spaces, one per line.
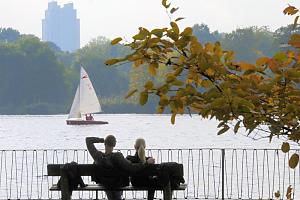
{"x":61,"y":26}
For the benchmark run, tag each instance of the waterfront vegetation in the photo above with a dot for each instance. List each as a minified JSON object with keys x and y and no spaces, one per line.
{"x":38,"y":78}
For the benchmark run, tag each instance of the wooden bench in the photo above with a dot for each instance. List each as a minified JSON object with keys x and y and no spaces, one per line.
{"x":87,"y":170}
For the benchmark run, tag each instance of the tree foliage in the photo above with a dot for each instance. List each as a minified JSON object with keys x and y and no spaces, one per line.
{"x":9,"y":35}
{"x":206,"y":79}
{"x":31,"y":78}
{"x":108,"y":83}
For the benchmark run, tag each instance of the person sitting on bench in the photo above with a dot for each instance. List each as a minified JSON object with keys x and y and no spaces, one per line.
{"x":139,"y":157}
{"x":115,"y":163}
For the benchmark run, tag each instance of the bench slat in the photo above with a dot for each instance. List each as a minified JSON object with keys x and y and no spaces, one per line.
{"x":96,"y":187}
{"x":83,"y":169}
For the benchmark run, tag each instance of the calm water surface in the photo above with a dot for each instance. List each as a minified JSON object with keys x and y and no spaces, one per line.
{"x":51,"y":132}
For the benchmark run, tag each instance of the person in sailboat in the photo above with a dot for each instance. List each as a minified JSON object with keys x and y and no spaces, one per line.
{"x":89,"y":117}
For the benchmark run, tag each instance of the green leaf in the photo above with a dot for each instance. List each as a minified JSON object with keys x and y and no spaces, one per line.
{"x":206,"y":83}
{"x":112,"y":61}
{"x":187,"y":31}
{"x":294,"y":160}
{"x":221,"y":124}
{"x":174,"y":10}
{"x":130,"y":93}
{"x":295,"y":22}
{"x":152,"y":68}
{"x":143,"y":98}
{"x":142,"y":34}
{"x":175,"y":27}
{"x":157,"y":32}
{"x":116,"y":41}
{"x":281,"y":56}
{"x":177,"y":83}
{"x":285,"y":147}
{"x":223,"y":130}
{"x":178,"y":19}
{"x":173,"y":118}
{"x":164,"y":3}
{"x":149,"y":85}
{"x":219,"y":102}
{"x":236,"y":127}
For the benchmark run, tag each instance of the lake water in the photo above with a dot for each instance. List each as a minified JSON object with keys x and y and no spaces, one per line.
{"x":51,"y":132}
{"x":248,"y":173}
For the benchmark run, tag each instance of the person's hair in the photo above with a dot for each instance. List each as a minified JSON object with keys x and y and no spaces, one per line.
{"x":139,"y":142}
{"x":110,"y":141}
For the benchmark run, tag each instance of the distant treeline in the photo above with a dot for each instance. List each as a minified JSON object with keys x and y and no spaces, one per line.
{"x":38,"y":78}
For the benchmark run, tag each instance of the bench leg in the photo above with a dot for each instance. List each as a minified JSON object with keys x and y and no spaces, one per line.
{"x":167,"y":192}
{"x":150,"y":194}
{"x":65,"y":192}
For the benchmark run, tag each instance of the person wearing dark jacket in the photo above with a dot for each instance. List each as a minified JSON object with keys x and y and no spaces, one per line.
{"x":139,"y":157}
{"x":114,"y":162}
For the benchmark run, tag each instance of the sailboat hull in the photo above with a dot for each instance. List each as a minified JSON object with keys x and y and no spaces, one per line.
{"x":84,"y":122}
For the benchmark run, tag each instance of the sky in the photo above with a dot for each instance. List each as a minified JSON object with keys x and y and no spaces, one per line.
{"x":114,"y":18}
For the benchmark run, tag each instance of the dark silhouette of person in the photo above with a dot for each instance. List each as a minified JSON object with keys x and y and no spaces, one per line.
{"x":91,"y":117}
{"x":116,"y":163}
{"x":139,"y":157}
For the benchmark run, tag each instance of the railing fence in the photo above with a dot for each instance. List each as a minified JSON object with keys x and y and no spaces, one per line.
{"x":209,"y":173}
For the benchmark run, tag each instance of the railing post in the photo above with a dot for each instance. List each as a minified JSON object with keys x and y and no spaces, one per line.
{"x":223,"y":173}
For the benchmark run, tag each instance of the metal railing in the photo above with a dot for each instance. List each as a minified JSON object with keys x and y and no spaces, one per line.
{"x":209,"y":173}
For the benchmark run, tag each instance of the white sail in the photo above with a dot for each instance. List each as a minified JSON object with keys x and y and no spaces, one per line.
{"x":75,"y":109}
{"x":89,"y":102}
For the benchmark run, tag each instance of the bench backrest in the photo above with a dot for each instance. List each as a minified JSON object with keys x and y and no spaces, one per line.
{"x":83,"y":169}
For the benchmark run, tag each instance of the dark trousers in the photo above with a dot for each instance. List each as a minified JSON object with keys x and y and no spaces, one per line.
{"x":114,"y":195}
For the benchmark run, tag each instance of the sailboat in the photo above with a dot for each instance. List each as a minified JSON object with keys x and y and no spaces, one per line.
{"x":85,"y":102}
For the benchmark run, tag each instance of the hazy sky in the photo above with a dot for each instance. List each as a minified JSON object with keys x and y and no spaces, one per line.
{"x":113,"y":18}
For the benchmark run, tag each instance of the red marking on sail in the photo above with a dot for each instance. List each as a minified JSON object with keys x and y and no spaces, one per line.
{"x":85,"y":76}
